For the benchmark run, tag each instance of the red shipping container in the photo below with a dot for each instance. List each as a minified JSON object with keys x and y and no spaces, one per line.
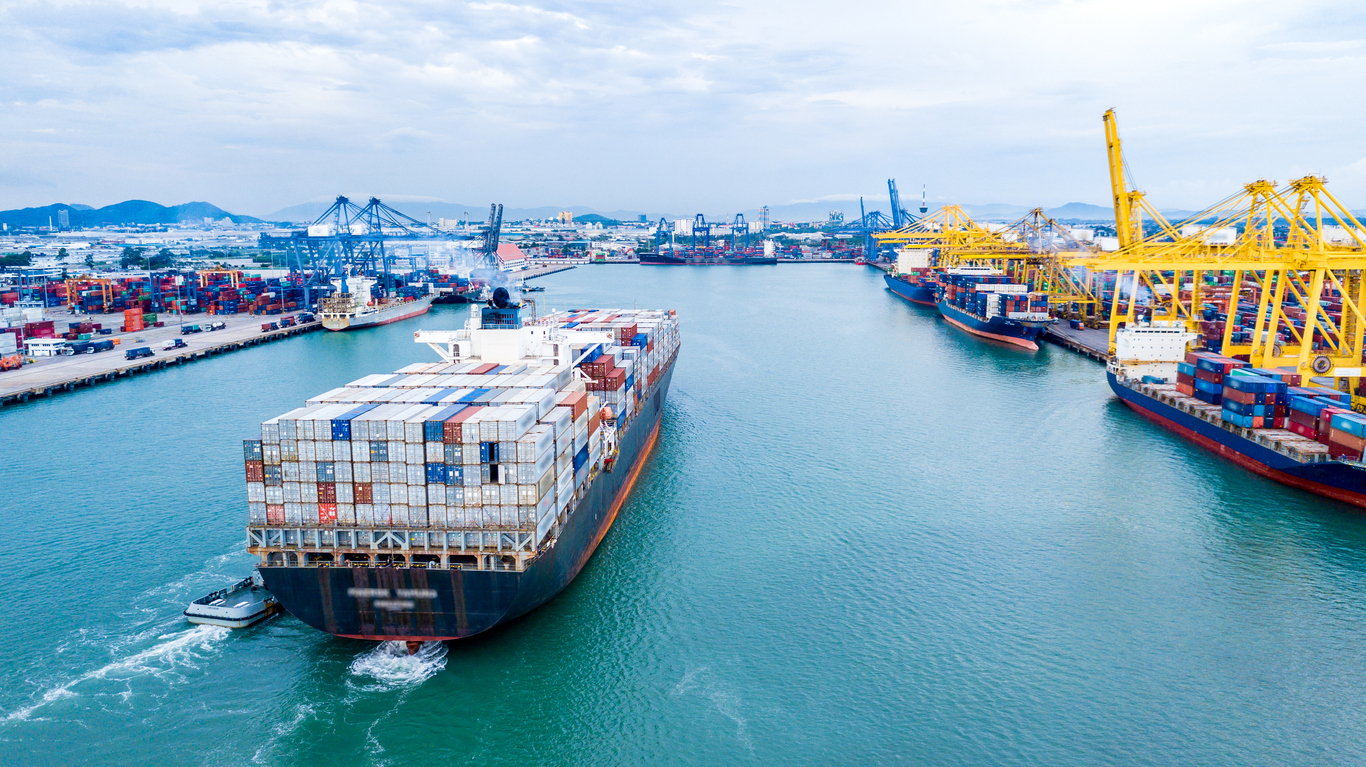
{"x":1296,"y":416}
{"x":256,"y":471}
{"x":577,"y":402}
{"x":450,"y":428}
{"x":1342,"y":451}
{"x":1209,"y":375}
{"x":1244,"y":397}
{"x":1336,"y":437}
{"x":1302,"y":429}
{"x":275,"y":514}
{"x":364,"y":493}
{"x":1186,"y":389}
{"x":327,"y":492}
{"x":327,"y":513}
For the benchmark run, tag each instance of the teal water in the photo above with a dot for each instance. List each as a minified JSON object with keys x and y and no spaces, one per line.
{"x":864,"y":537}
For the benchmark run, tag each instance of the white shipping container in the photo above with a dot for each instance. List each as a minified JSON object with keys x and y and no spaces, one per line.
{"x":379,"y":472}
{"x":308,"y":449}
{"x":275,"y":495}
{"x":455,"y":495}
{"x":256,"y":513}
{"x":490,"y":495}
{"x":308,"y":471}
{"x":538,"y":440}
{"x":436,"y":452}
{"x":382,"y":513}
{"x":526,"y":495}
{"x":564,"y":461}
{"x":436,"y":494}
{"x":398,"y":451}
{"x":398,"y":493}
{"x":416,"y":475}
{"x":507,"y":495}
{"x":438,"y":517}
{"x":488,"y":424}
{"x":469,"y":455}
{"x":270,"y":451}
{"x":379,"y":492}
{"x":580,"y":442}
{"x":581,"y":424}
{"x":346,"y":514}
{"x":324,"y":450}
{"x":360,"y":472}
{"x":308,"y":492}
{"x":415,"y":453}
{"x":292,"y":492}
{"x":365,"y":514}
{"x":289,"y":450}
{"x":508,"y":513}
{"x":294,"y":513}
{"x":256,"y":492}
{"x":398,"y":515}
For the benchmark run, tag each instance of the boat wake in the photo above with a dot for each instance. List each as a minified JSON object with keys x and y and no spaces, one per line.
{"x":390,"y":667}
{"x":167,"y":659}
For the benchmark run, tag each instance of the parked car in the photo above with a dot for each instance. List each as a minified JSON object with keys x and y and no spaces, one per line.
{"x":216,"y":326}
{"x":174,"y":343}
{"x":137,"y":351}
{"x":188,"y":329}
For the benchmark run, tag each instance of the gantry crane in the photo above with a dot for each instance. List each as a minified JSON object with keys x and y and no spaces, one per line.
{"x":1322,"y":250}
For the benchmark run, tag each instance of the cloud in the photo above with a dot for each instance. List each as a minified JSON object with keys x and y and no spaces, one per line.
{"x":259,"y":104}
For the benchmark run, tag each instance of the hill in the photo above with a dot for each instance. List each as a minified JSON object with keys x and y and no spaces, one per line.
{"x":128,"y":212}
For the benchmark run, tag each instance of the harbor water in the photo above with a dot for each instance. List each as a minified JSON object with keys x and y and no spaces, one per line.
{"x":864,"y":537}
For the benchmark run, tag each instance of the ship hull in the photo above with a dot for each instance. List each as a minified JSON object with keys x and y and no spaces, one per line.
{"x":395,"y":313}
{"x":1014,"y":332}
{"x":463,"y":603}
{"x":1333,"y":479}
{"x":659,"y":259}
{"x":916,"y":294}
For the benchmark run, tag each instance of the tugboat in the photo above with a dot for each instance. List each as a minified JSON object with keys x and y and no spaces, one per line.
{"x":236,"y":606}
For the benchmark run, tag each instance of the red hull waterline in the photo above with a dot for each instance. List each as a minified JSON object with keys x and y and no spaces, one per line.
{"x":1346,"y":496}
{"x":617,"y":503}
{"x":1030,"y":345}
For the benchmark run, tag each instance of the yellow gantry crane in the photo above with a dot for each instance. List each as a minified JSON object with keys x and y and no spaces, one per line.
{"x":1294,"y":251}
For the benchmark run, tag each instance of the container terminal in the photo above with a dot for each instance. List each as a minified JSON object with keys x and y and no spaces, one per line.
{"x":1241,"y":328}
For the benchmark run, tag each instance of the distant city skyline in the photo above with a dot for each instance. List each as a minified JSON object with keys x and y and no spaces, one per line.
{"x":709,"y":106}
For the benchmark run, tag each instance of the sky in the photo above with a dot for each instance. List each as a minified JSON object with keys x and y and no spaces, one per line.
{"x":698,"y":106}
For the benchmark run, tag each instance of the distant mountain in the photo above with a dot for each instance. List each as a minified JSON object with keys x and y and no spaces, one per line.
{"x":1081,"y":211}
{"x":134,"y":212}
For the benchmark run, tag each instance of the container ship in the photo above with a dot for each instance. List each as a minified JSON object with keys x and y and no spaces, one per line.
{"x":1269,"y":421}
{"x":348,"y":311}
{"x":686,"y":258}
{"x":913,"y":278}
{"x":450,"y":497}
{"x":985,"y":302}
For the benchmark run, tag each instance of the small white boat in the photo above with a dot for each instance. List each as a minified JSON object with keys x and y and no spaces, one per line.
{"x":236,"y":606}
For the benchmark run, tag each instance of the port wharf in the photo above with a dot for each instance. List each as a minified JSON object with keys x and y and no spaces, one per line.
{"x":52,"y":375}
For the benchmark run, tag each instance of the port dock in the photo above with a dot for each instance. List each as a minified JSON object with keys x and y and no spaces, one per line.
{"x":1090,"y":342}
{"x":50,"y":375}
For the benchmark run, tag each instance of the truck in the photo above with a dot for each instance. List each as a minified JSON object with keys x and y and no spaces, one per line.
{"x":216,"y":326}
{"x":188,"y":329}
{"x":266,"y":327}
{"x":88,"y":347}
{"x":174,"y":343}
{"x":137,"y":352}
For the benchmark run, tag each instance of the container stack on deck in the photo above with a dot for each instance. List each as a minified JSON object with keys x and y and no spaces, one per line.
{"x":465,"y":446}
{"x":994,"y":295}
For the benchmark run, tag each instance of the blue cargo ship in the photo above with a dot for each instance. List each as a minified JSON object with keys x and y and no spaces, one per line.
{"x":915,"y":288}
{"x":985,"y":303}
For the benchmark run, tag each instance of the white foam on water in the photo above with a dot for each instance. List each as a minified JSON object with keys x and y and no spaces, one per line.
{"x":172,"y":654}
{"x":391,"y":667}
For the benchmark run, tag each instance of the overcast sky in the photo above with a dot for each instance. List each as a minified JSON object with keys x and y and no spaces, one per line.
{"x":701,"y":105}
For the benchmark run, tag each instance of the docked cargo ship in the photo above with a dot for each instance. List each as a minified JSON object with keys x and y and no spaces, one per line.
{"x":709,"y":259}
{"x":1301,"y":436}
{"x":355,"y":310}
{"x":985,"y":303}
{"x":450,"y":497}
{"x":916,"y":287}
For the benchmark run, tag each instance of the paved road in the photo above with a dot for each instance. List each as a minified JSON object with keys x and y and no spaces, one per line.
{"x":50,"y":371}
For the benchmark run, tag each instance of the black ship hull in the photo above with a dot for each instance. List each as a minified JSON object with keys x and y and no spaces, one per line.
{"x":659,"y":259}
{"x":452,"y":604}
